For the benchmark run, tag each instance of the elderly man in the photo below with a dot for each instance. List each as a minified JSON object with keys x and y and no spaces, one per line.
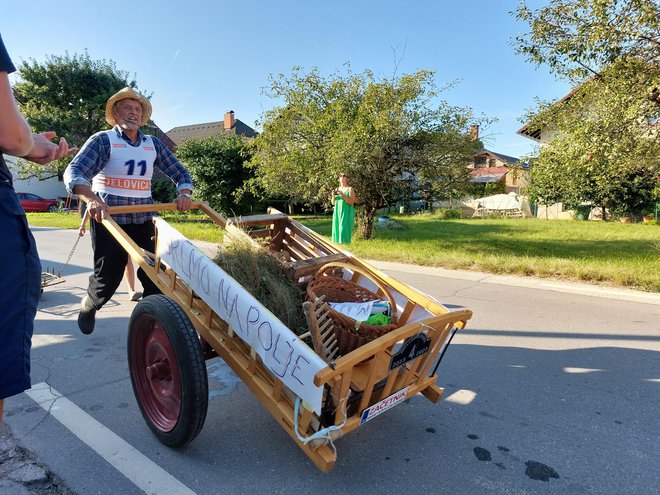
{"x":115,"y":168}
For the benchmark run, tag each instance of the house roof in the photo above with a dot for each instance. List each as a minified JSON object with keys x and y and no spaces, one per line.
{"x":158,"y":133}
{"x":512,"y":160}
{"x":535,"y":133}
{"x":165,"y":139}
{"x":208,"y":129}
{"x":488,"y":174}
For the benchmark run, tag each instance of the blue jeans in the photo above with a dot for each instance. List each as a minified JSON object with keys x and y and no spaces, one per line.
{"x":20,"y":288}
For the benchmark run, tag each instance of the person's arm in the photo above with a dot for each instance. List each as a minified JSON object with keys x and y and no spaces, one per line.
{"x":15,"y":133}
{"x":83,"y":224}
{"x":85,"y":165}
{"x":349,"y":198}
{"x":173,"y":168}
{"x":17,"y":139}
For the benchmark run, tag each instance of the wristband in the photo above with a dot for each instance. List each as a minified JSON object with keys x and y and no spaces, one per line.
{"x":185,"y":195}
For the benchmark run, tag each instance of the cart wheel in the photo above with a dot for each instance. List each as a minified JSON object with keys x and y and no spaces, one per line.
{"x":167,"y":368}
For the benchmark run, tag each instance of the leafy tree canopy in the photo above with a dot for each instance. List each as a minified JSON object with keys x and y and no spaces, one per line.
{"x":217,"y":168}
{"x":377,"y":131}
{"x":66,"y":94}
{"x":605,"y":147}
{"x":578,"y":38}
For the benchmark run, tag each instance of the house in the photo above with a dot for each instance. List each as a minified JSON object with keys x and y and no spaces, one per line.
{"x":542,"y":135}
{"x":229,"y":125}
{"x":491,"y":167}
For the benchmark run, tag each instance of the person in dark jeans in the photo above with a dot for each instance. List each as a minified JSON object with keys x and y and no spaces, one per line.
{"x":114,"y":168}
{"x":20,"y":268}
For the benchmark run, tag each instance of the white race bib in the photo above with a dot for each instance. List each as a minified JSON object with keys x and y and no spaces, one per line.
{"x":129,"y":170}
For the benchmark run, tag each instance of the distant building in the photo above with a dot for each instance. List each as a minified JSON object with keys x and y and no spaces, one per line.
{"x":491,"y":167}
{"x":543,"y":135}
{"x":229,"y":125}
{"x":51,"y":188}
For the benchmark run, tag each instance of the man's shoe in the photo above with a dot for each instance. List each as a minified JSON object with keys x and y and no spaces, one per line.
{"x":87,"y":316}
{"x":134,"y":296}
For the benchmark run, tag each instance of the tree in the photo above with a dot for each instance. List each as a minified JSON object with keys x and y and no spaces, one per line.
{"x":442,"y":169}
{"x":217,"y":168}
{"x":375,"y":131}
{"x":66,"y":94}
{"x":576,"y":39}
{"x":163,"y":190}
{"x":605,"y":148}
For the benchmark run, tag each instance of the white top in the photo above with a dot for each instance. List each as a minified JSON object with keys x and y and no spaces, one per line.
{"x":129,"y":170}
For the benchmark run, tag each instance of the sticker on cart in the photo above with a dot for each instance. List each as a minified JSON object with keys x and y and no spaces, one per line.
{"x":411,"y":349}
{"x":383,"y":405}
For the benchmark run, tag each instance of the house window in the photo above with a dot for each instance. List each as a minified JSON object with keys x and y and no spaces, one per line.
{"x":480,"y":161}
{"x":491,"y":162}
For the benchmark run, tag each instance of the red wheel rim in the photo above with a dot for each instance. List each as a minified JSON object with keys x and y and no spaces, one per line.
{"x":155,"y":372}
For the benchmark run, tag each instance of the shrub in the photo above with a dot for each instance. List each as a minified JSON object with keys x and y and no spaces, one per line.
{"x":448,"y":213}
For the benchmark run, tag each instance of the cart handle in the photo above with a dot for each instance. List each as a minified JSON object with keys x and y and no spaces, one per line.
{"x":155,"y":207}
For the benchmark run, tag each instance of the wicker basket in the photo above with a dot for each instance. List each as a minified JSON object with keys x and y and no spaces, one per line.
{"x":329,"y":285}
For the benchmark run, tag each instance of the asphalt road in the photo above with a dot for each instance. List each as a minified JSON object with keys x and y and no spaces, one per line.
{"x":552,"y":388}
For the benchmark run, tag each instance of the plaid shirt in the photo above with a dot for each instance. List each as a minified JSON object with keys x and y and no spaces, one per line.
{"x":94,"y":155}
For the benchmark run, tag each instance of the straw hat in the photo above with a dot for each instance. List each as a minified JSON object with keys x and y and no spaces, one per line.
{"x":122,"y":95}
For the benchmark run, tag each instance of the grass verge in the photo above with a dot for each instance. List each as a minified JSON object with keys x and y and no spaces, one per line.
{"x":624,"y":255}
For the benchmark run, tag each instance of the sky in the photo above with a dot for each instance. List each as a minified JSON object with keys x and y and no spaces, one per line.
{"x":201,"y":58}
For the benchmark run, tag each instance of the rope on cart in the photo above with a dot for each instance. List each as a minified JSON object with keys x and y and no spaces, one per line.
{"x":323,"y":433}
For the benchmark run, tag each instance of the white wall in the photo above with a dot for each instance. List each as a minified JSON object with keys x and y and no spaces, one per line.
{"x":49,"y":188}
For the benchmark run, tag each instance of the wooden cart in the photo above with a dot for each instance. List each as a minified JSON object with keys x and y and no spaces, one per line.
{"x":317,"y":397}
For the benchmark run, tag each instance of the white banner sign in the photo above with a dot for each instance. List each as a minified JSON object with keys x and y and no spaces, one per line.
{"x":281,"y":351}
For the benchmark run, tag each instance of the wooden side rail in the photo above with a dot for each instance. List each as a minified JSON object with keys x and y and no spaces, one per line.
{"x":256,"y":220}
{"x":304,"y":268}
{"x":156,"y":207}
{"x":368,"y":369}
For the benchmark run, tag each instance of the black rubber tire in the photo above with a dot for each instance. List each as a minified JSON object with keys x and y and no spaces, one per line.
{"x":160,"y":328}
{"x":52,"y":208}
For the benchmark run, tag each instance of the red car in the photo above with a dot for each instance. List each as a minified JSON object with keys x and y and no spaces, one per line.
{"x":32,"y":202}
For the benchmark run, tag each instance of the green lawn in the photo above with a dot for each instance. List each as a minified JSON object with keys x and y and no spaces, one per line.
{"x":611,"y":253}
{"x":619,"y":254}
{"x":182,"y":222}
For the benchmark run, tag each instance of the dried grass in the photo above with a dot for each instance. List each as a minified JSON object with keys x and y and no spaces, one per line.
{"x":262,"y":273}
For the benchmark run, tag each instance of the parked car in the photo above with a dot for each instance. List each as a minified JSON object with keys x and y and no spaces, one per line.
{"x":32,"y":202}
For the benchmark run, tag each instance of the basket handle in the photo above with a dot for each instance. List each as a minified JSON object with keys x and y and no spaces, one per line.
{"x":370,"y":276}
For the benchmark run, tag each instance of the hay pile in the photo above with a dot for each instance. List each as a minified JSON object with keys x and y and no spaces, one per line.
{"x":262,"y":273}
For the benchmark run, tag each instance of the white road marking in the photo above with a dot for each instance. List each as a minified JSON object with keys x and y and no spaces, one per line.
{"x":143,"y":472}
{"x":581,"y":370}
{"x":462,"y":397}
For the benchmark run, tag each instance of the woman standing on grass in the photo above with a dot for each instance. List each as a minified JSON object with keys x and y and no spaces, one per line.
{"x":344,"y":214}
